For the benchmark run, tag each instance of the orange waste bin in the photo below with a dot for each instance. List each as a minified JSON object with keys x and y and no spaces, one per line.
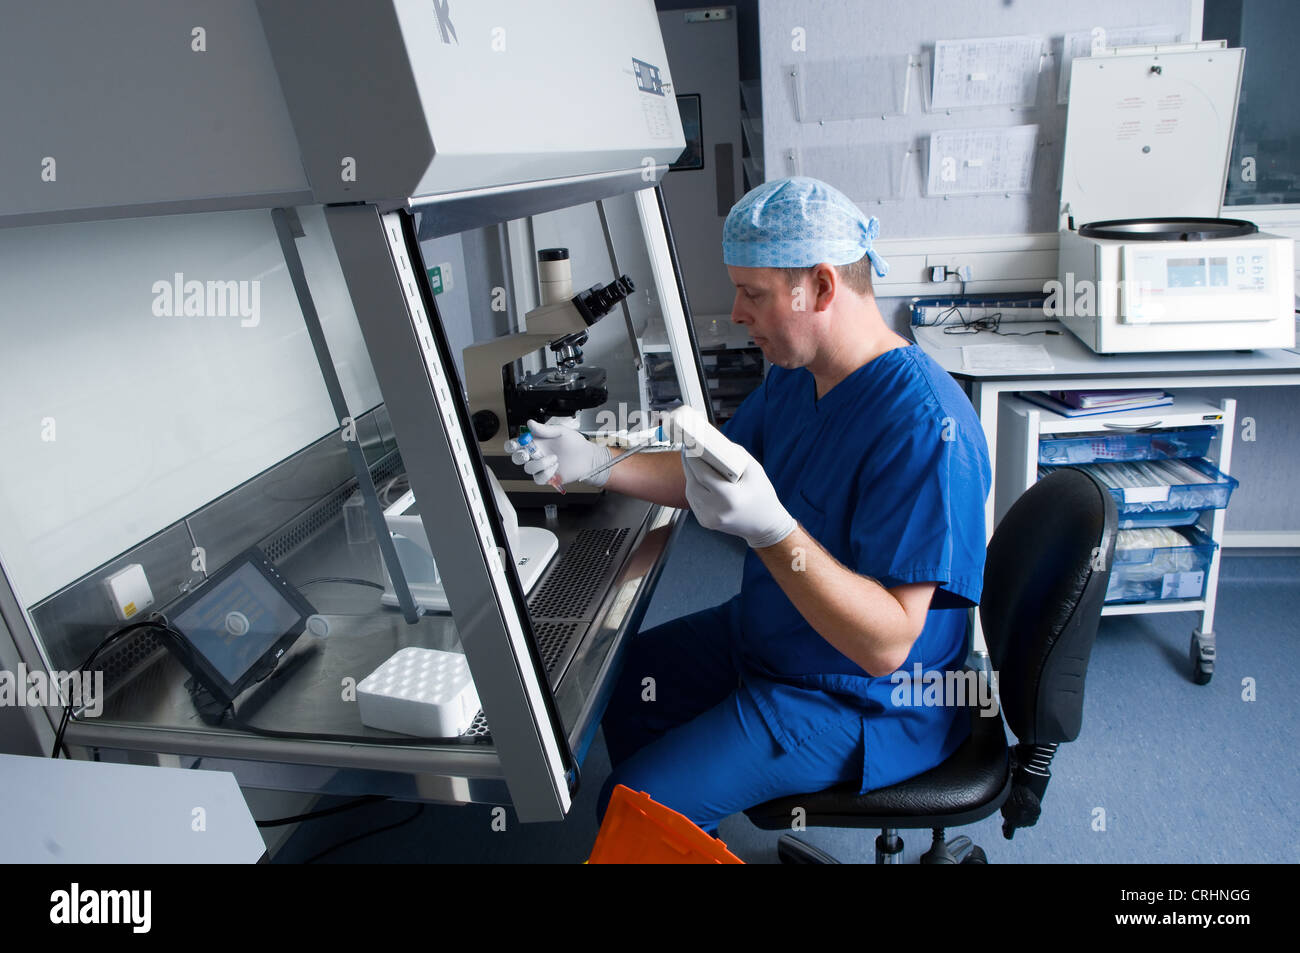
{"x":639,"y":830}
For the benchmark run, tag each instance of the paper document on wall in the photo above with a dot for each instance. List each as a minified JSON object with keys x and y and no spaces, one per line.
{"x":973,"y":161}
{"x":1005,"y":357}
{"x":1081,"y":43}
{"x":997,"y":71}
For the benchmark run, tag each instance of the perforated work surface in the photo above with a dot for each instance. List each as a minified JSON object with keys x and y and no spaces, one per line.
{"x":305,"y":528}
{"x":552,"y":637}
{"x":556,"y":643}
{"x":572,"y":585}
{"x":308,"y":524}
{"x":133,"y":654}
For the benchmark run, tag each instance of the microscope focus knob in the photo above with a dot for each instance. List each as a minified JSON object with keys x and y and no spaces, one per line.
{"x":486,"y":424}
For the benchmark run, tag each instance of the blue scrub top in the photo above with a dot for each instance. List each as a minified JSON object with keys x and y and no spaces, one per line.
{"x":889,"y":471}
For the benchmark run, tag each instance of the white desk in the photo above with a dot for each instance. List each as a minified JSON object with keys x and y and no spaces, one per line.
{"x":1077,"y":367}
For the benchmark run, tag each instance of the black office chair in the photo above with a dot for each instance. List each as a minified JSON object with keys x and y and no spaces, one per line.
{"x":1045,"y":578}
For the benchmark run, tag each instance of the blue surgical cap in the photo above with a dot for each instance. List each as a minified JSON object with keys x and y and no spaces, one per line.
{"x":797,"y":223}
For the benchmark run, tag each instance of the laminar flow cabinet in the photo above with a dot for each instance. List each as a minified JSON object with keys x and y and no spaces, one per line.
{"x":304,"y":327}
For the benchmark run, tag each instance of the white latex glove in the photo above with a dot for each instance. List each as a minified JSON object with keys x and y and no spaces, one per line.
{"x":565,"y":451}
{"x":748,"y":508}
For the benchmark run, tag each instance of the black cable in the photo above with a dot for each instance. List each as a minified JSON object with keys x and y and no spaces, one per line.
{"x":986,"y":323}
{"x":107,"y":641}
{"x":324,"y":812}
{"x":347,"y":739}
{"x":352,"y":840}
{"x":996,"y":328}
{"x":159,"y":622}
{"x":347,"y":580}
{"x":326,"y":736}
{"x":178,"y":638}
{"x":943,"y":317}
{"x":991,"y":323}
{"x":343,"y":579}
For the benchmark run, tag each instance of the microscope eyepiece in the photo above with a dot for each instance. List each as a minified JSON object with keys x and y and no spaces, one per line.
{"x":596,"y":302}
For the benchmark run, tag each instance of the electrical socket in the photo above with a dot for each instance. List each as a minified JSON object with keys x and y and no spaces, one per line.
{"x":129,"y":592}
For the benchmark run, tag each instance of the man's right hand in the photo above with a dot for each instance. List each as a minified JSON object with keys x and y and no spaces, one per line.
{"x":565,"y":451}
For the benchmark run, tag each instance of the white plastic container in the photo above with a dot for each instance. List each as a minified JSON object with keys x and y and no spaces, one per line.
{"x":424,"y":692}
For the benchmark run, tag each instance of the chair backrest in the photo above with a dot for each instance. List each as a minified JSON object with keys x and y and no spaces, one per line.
{"x":1045,"y":579}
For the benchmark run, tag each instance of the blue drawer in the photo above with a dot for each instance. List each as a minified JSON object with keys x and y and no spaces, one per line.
{"x":1170,"y":518}
{"x":1161,"y":486}
{"x":1103,"y":447}
{"x":1143,"y":573}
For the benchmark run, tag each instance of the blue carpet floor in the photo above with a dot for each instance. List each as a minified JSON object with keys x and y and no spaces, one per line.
{"x":1163,"y":771}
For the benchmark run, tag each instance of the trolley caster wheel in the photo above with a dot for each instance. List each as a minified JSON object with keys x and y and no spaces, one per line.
{"x":1202,"y":661}
{"x":976,"y":856}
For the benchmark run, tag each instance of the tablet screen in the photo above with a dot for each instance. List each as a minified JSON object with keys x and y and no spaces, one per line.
{"x":237,"y":621}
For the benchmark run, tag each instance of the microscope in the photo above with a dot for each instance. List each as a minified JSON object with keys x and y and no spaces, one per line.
{"x":500,"y":405}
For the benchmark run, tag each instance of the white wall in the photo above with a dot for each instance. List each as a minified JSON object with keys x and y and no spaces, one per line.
{"x":845,"y":30}
{"x":151,"y":416}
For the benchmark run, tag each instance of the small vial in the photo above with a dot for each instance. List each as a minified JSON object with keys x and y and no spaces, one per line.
{"x":552,"y":514}
{"x":524,"y":448}
{"x":354,"y":520}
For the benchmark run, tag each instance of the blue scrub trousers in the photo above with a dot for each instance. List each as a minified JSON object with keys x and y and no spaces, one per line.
{"x":701,"y":747}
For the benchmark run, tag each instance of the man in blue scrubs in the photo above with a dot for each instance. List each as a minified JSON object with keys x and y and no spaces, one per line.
{"x":863,"y":509}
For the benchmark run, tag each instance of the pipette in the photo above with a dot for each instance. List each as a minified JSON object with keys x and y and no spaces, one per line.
{"x":622,"y":456}
{"x":523,"y":448}
{"x":636,"y":441}
{"x":689,"y":429}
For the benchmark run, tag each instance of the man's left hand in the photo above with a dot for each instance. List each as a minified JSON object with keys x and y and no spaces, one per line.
{"x":748,"y":508}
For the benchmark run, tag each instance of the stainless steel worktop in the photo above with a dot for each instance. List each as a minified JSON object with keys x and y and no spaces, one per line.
{"x":307,"y":693}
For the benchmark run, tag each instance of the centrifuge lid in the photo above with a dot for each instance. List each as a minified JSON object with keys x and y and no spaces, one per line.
{"x":1168,"y":229}
{"x":1149,"y":134}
